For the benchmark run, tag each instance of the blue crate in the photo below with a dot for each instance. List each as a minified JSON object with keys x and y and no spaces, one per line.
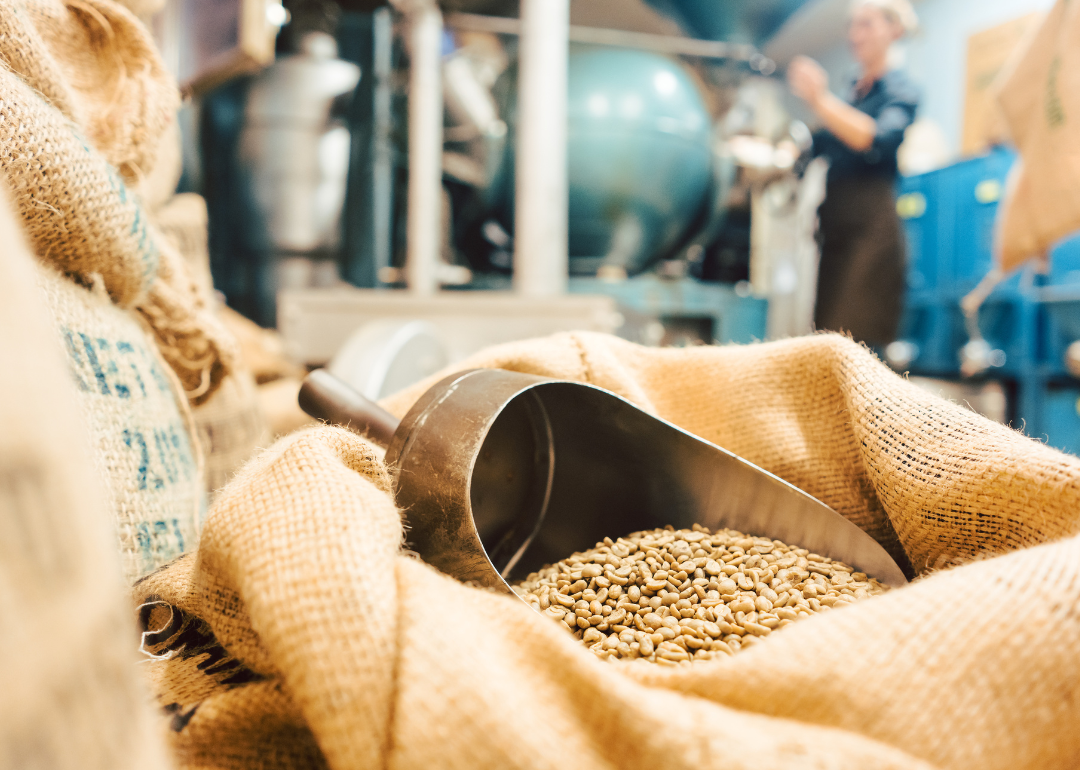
{"x":1010,"y":323}
{"x":1060,"y":325}
{"x":1060,"y":305}
{"x":931,"y":325}
{"x":1060,"y":419}
{"x":971,"y":191}
{"x":1065,"y":263}
{"x":1010,"y":320}
{"x":917,"y":203}
{"x":948,"y":217}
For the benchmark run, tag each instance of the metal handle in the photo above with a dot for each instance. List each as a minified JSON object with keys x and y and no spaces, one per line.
{"x":329,"y":398}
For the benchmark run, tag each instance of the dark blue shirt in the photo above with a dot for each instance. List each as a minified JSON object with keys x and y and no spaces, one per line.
{"x":891,"y":101}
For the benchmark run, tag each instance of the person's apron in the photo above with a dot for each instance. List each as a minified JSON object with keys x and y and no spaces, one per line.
{"x":861,"y":273}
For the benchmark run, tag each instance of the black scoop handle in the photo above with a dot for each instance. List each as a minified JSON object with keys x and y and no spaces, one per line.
{"x":329,"y":398}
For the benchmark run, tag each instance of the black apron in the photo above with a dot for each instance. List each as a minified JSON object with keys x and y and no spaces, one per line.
{"x":861,"y":282}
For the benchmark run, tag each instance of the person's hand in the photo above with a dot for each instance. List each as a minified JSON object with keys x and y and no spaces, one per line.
{"x":808,"y":80}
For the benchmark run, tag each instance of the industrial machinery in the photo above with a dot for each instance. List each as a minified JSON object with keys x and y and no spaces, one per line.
{"x":643,"y":166}
{"x":296,"y":147}
{"x":381,"y":229}
{"x":671,"y":145}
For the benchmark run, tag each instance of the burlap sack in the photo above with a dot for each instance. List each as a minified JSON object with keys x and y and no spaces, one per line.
{"x":279,"y":378}
{"x":230,"y":424}
{"x":301,"y":635}
{"x":1040,"y":96}
{"x":141,"y":428}
{"x":279,"y":402}
{"x":184,"y":220}
{"x":157,"y":188}
{"x":71,"y":697}
{"x":84,"y":105}
{"x":231,"y":428}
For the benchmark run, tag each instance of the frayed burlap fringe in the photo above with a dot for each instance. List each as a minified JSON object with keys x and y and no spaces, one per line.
{"x":187,"y":331}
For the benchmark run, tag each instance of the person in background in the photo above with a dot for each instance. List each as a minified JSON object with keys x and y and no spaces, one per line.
{"x":861,"y":274}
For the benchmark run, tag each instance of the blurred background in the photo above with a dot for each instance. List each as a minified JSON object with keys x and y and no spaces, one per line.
{"x":394,"y":186}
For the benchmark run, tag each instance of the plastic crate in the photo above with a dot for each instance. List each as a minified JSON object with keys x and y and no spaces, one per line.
{"x":1010,"y":323}
{"x":917,"y":203}
{"x":1060,"y":305}
{"x":971,"y":191}
{"x":1060,"y":325}
{"x":1065,"y":263}
{"x":931,"y":325}
{"x":1009,"y":320}
{"x":1061,"y":418}
{"x":948,"y":217}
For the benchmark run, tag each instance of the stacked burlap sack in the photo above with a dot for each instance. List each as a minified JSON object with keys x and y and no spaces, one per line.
{"x":89,"y":150}
{"x":277,"y":376}
{"x":302,"y":633}
{"x":231,"y":425}
{"x":71,"y":697}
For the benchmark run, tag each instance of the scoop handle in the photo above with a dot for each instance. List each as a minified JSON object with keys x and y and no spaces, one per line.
{"x":329,"y":398}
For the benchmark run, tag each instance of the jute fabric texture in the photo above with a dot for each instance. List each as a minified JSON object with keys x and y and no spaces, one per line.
{"x":184,"y":221}
{"x":278,"y":377}
{"x":142,"y":432}
{"x":231,"y":427}
{"x":230,"y":424}
{"x":302,"y":634}
{"x":71,"y":697}
{"x":1039,"y":94}
{"x":86,"y":110}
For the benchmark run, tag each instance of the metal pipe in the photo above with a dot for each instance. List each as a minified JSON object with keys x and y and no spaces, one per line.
{"x":382,"y":149}
{"x":424,"y":223}
{"x":669,"y":44}
{"x":540,"y":214}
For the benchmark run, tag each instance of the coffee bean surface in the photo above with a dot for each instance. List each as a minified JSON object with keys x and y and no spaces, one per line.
{"x":672,"y":596}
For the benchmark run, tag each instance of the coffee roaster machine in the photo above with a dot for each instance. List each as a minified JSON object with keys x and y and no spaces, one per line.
{"x":674,"y":145}
{"x":1023,"y":339}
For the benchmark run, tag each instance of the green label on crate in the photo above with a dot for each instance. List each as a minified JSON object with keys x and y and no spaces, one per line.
{"x":988,"y":191}
{"x":911,"y":205}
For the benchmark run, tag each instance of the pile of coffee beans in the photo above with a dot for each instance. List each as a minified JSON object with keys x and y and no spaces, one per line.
{"x":674,"y":596}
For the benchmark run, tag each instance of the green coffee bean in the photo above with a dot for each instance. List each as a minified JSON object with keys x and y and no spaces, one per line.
{"x":674,"y":596}
{"x":646,"y":648}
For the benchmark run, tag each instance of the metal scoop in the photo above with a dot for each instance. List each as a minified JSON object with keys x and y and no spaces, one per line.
{"x":499,"y":473}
